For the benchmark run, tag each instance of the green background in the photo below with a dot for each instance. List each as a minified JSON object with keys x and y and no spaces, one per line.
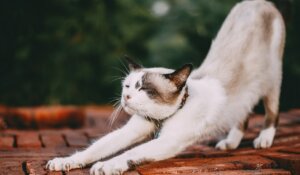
{"x":70,"y":51}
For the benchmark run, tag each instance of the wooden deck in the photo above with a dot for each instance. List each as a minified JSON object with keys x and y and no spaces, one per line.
{"x":27,"y":151}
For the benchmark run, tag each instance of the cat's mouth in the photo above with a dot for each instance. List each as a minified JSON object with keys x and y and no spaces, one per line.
{"x":132,"y":109}
{"x":128,"y":108}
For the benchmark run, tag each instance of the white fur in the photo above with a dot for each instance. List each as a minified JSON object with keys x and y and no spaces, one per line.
{"x":232,"y":141}
{"x":135,"y":130}
{"x":240,"y":68}
{"x":265,"y":138}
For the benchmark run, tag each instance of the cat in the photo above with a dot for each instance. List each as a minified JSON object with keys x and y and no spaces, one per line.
{"x":184,"y":106}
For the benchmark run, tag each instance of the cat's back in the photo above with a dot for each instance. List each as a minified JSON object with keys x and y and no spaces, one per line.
{"x":249,"y":24}
{"x":244,"y":48}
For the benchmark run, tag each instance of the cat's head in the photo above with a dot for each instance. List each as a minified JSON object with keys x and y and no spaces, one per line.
{"x":154,"y":92}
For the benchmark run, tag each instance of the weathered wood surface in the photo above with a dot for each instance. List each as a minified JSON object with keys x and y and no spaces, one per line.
{"x":26,"y":151}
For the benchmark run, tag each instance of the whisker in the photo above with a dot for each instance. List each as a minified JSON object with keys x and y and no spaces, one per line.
{"x":124,"y":66}
{"x":117,"y":103}
{"x":122,"y":71}
{"x":114,"y":101}
{"x":116,"y":78}
{"x":115,"y":115}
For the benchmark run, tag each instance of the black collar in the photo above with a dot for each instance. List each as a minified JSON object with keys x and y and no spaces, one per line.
{"x":158,"y":122}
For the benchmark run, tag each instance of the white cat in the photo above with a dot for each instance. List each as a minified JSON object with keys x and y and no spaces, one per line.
{"x":244,"y":64}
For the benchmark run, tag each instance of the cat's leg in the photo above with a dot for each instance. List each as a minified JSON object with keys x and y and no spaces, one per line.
{"x":167,"y":145}
{"x":134,"y":131}
{"x":271,"y":100}
{"x":266,"y":136}
{"x":234,"y":137}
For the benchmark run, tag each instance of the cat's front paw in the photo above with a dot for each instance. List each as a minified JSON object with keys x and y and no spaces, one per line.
{"x":63,"y":164}
{"x":227,"y":144}
{"x":110,"y":167}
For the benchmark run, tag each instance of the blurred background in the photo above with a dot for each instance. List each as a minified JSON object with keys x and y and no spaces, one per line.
{"x":63,"y":52}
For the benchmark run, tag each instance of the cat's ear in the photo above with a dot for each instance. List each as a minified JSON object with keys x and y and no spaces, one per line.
{"x":131,"y":64}
{"x":180,"y":76}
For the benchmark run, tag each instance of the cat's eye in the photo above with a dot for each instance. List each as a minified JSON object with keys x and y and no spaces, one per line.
{"x":127,"y":86}
{"x":137,"y":85}
{"x":142,"y":88}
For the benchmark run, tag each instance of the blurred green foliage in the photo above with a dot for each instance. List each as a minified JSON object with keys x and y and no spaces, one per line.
{"x":69,"y":51}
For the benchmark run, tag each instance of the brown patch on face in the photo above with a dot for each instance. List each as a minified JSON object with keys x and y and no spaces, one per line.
{"x":133,"y":164}
{"x":158,"y":92}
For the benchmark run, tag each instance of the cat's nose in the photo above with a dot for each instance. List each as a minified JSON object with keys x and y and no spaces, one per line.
{"x":127,"y":97}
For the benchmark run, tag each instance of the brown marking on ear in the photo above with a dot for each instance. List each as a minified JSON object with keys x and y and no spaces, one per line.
{"x":133,"y":66}
{"x":180,"y":76}
{"x":133,"y":164}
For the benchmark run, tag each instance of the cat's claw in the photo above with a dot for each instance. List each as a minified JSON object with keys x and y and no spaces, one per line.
{"x":63,"y":164}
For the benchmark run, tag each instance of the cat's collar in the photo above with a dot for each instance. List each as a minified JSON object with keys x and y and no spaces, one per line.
{"x":158,"y":122}
{"x":183,"y":100}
